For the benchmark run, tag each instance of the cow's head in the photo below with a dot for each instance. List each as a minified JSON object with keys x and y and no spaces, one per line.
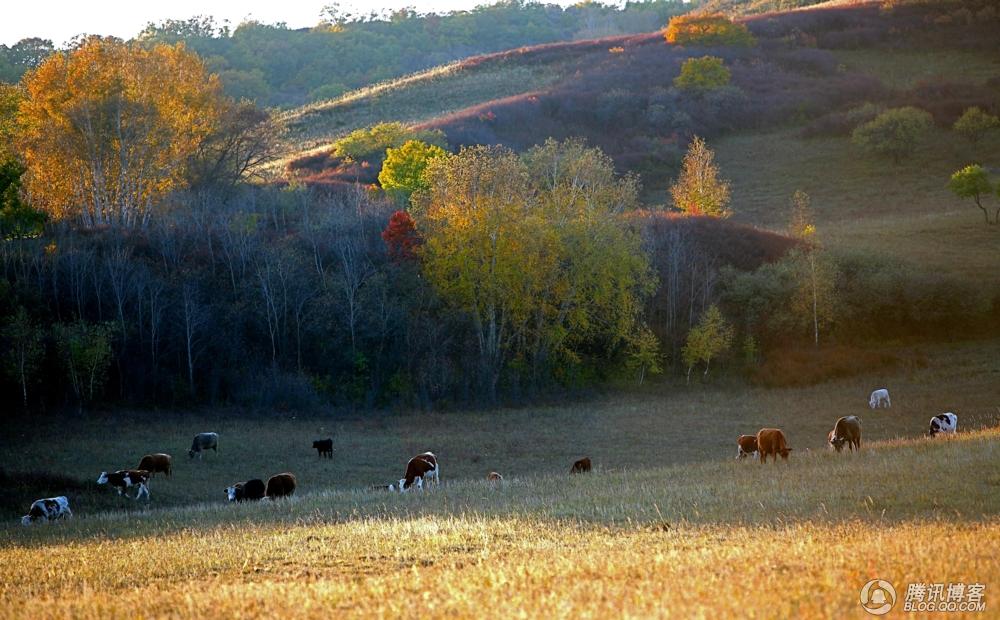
{"x":191,"y":454}
{"x":103,"y":478}
{"x":836,"y":443}
{"x":784,"y":453}
{"x":231,"y":493}
{"x":26,"y":520}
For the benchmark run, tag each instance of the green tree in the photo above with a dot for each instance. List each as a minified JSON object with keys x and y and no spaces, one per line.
{"x":644,"y":353}
{"x":974,"y":124}
{"x":534,"y":250}
{"x":371,"y":143}
{"x":403,"y":169}
{"x":895,"y":133}
{"x":706,"y":340}
{"x":974,"y":182}
{"x":85,"y":349}
{"x":25,"y":353}
{"x":699,"y":190}
{"x":701,"y":75}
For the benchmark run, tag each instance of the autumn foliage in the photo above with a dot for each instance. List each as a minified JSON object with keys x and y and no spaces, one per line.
{"x":401,"y":237}
{"x":108,"y":127}
{"x":707,"y":31}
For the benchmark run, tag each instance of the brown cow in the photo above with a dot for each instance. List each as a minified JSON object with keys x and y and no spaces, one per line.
{"x":847,"y":430}
{"x":746,"y":446}
{"x":423,"y":466}
{"x":581,"y":467}
{"x":156,"y":463}
{"x":280,"y":485}
{"x":771,"y":441}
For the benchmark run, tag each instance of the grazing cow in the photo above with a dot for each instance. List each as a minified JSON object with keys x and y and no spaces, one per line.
{"x":122,"y":479}
{"x":421,"y":467}
{"x":324,"y":447}
{"x":746,"y":446}
{"x":156,"y":463}
{"x":943,"y":423}
{"x":581,"y":467}
{"x":771,"y":441}
{"x":280,"y":485}
{"x":203,"y":442}
{"x":249,"y":491}
{"x":48,"y":510}
{"x":494,"y":477}
{"x":847,"y":430}
{"x":878,"y":398}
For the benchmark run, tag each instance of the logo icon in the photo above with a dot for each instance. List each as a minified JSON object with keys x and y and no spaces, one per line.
{"x":877,"y":597}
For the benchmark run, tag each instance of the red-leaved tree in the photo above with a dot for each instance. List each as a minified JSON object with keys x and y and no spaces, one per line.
{"x":401,"y":237}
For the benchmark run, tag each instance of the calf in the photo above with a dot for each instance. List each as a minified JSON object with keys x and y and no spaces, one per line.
{"x":421,"y":467}
{"x":156,"y":463}
{"x":943,"y":423}
{"x":746,"y":446}
{"x":847,"y":430}
{"x":249,"y":491}
{"x":203,"y":442}
{"x":49,"y":509}
{"x":280,"y":485}
{"x":771,"y":441}
{"x":122,"y":479}
{"x":581,"y":467}
{"x":494,"y":477}
{"x":324,"y":447}
{"x":878,"y":398}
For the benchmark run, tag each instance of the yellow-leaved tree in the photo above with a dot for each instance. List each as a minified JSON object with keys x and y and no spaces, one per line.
{"x":534,"y":250}
{"x":107,"y":127}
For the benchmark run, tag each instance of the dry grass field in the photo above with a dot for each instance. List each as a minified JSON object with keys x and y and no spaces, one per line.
{"x":669,"y":524}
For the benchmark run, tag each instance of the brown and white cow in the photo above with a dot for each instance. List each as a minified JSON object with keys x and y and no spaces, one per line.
{"x":746,"y":446}
{"x":419,"y":468}
{"x":280,"y":485}
{"x":582,"y":466}
{"x":123,"y":479}
{"x":49,"y":509}
{"x":157,"y":463}
{"x":771,"y":442}
{"x":251,"y":490}
{"x":494,"y":477}
{"x":847,"y":430}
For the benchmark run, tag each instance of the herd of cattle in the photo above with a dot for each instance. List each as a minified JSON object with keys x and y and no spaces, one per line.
{"x":767,"y":442}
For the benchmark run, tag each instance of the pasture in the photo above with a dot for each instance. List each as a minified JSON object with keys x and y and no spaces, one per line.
{"x":668,"y":524}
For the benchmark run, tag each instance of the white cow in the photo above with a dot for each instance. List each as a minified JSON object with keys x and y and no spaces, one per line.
{"x":878,"y":397}
{"x":943,"y":423}
{"x":47,"y":510}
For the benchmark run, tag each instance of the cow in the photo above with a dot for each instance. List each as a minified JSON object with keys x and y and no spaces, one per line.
{"x":324,"y":447}
{"x":746,"y":446}
{"x":280,"y":485}
{"x":494,"y":477}
{"x":879,"y":397}
{"x":122,"y":479}
{"x":419,"y":468}
{"x":771,"y":441}
{"x":49,"y":509}
{"x":943,"y":423}
{"x":251,"y":490}
{"x":581,"y":467}
{"x":203,"y":442}
{"x":156,"y":463}
{"x":847,"y":430}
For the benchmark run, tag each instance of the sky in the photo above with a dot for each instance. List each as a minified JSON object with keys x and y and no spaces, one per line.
{"x":61,"y":20}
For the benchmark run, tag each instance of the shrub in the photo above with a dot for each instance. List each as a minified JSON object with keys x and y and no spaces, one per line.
{"x":701,"y":75}
{"x":894,"y":133}
{"x":707,"y":31}
{"x":370,"y":144}
{"x":974,"y":124}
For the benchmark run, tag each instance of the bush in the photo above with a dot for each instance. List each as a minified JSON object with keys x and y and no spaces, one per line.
{"x":894,"y":133}
{"x":370,"y":144}
{"x":974,"y":124}
{"x":701,"y":75}
{"x":707,"y":31}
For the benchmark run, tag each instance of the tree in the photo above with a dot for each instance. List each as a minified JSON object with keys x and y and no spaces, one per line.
{"x":894,"y":133}
{"x":701,"y":75}
{"x":245,"y":140}
{"x":707,"y":30}
{"x":108,"y":127}
{"x":644,"y":353}
{"x":973,"y":182}
{"x":974,"y":124}
{"x":699,"y":191}
{"x":403,"y":169}
{"x":371,"y":143}
{"x":26,"y":350}
{"x":815,"y":294}
{"x":17,"y":219}
{"x":86,"y":351}
{"x":706,"y":340}
{"x":534,"y":251}
{"x":401,"y":237}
